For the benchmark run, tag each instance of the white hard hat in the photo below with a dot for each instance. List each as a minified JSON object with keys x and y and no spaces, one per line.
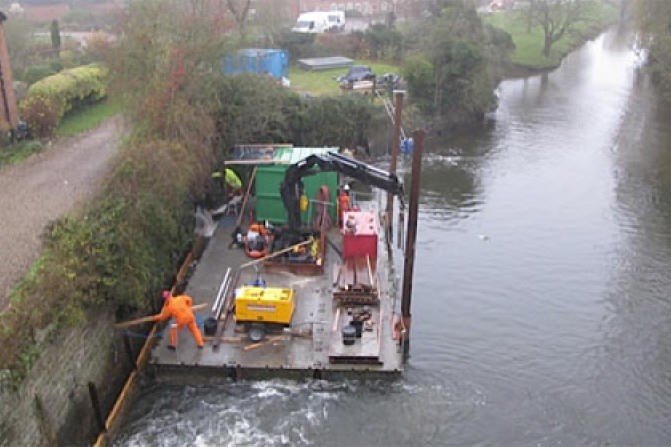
{"x":346,"y":187}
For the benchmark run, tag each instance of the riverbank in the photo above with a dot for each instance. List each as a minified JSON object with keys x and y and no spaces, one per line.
{"x":528,"y":57}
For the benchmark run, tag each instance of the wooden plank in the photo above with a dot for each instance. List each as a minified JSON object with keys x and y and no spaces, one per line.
{"x":336,"y":319}
{"x":149,"y":318}
{"x":265,"y":342}
{"x":371,"y":278}
{"x":274,"y":254}
{"x":336,"y":274}
{"x":350,"y":277}
{"x":244,"y":201}
{"x":362,"y":274}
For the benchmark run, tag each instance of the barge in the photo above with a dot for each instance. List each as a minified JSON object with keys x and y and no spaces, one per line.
{"x":343,"y":296}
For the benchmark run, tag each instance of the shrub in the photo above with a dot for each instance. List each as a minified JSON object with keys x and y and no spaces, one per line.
{"x":350,"y":45}
{"x":118,"y":253}
{"x":42,"y":114}
{"x":34,"y":73}
{"x":255,"y":109}
{"x":298,"y":45}
{"x":418,"y":73}
{"x":383,"y":42}
{"x":53,"y":96}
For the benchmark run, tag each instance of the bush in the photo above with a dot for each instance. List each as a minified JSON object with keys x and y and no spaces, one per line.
{"x":350,"y":45}
{"x":52,"y":97}
{"x":42,"y":115}
{"x":34,"y":73}
{"x":117,"y":254}
{"x":254,"y":109}
{"x":383,"y":42}
{"x":418,"y":73}
{"x":298,"y":45}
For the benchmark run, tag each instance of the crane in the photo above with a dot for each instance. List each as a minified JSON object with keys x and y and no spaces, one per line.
{"x":291,"y":187}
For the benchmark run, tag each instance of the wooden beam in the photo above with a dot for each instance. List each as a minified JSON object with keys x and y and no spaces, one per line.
{"x":244,"y":201}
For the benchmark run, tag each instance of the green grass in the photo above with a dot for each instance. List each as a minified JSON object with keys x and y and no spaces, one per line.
{"x":87,"y":118}
{"x":17,"y":152}
{"x":529,"y":45}
{"x":323,"y":82}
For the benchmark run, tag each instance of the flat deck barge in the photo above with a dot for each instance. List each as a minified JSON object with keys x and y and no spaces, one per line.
{"x":312,"y":347}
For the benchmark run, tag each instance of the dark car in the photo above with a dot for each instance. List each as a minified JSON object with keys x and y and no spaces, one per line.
{"x":357,"y":73}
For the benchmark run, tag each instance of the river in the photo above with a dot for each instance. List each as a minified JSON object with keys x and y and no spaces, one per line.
{"x":542,"y":302}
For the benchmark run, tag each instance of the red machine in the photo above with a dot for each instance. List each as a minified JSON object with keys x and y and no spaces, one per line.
{"x":360,"y":235}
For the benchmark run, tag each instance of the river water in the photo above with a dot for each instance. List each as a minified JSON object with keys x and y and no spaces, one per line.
{"x":542,"y":303}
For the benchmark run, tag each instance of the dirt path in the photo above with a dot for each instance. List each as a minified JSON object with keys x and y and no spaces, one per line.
{"x":45,"y":187}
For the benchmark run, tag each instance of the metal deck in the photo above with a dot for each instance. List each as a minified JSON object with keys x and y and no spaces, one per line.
{"x":313,"y":348}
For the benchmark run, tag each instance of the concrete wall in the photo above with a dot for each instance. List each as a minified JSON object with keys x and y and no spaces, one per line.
{"x":53,"y":407}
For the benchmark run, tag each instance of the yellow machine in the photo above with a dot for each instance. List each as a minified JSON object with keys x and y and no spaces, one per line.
{"x":264,"y":305}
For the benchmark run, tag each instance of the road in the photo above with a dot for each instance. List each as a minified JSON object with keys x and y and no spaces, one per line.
{"x":45,"y":187}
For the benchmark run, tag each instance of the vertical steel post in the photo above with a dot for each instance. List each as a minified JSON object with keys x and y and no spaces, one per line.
{"x":395,"y":149}
{"x":95,"y":402}
{"x":411,"y":237}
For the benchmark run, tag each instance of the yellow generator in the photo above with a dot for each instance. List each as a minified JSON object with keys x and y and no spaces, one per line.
{"x":264,"y":305}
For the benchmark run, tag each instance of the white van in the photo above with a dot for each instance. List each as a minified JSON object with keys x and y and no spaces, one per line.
{"x":336,"y":20}
{"x":319,"y":22}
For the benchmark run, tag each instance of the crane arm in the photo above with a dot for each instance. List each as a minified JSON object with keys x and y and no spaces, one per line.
{"x":291,"y":187}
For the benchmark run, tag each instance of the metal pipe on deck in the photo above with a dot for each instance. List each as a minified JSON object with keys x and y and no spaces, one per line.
{"x":411,"y":237}
{"x":395,"y":150}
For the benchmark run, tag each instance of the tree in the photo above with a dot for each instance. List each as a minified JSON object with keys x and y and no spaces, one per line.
{"x":240,"y":10}
{"x":556,"y":18}
{"x":272,"y":18}
{"x":18,"y":34}
{"x":55,"y":37}
{"x":460,"y":63}
{"x":654,"y":22}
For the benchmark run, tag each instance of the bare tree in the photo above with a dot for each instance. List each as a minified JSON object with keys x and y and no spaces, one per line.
{"x":556,"y":18}
{"x":530,"y":14}
{"x":272,"y":17}
{"x":240,"y":10}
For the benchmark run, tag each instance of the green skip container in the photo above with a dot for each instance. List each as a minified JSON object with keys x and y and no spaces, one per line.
{"x":269,"y":204}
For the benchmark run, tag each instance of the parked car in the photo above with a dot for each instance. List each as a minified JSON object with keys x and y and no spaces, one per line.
{"x":357,"y":73}
{"x":389,"y":80}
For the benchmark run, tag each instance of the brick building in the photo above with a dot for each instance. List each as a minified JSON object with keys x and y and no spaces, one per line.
{"x":9,"y":116}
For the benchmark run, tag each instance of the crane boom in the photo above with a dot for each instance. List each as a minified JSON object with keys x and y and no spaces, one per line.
{"x":291,"y":187}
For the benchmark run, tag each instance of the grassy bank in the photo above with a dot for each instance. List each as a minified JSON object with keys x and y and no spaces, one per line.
{"x":87,"y":118}
{"x":80,"y":120}
{"x":323,"y":82}
{"x":17,"y":152}
{"x":529,"y":44}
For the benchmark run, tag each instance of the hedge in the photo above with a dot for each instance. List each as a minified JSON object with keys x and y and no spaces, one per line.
{"x":49,"y":99}
{"x":120,"y":251}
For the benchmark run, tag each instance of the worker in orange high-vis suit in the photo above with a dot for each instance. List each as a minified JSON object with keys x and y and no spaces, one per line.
{"x":179,"y":308}
{"x":344,"y":203}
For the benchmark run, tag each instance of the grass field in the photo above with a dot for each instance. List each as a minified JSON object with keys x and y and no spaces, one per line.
{"x":529,"y":45}
{"x":87,"y":118}
{"x":323,"y":82}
